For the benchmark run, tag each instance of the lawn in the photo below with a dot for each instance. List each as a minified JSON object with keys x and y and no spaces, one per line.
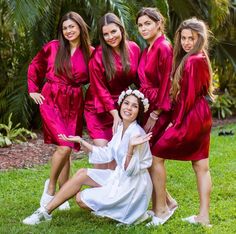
{"x":20,"y":191}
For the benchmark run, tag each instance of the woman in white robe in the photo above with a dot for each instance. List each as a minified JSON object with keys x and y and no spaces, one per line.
{"x":122,"y":194}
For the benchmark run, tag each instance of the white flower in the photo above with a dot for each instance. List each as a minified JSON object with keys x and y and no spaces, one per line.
{"x":128,"y":92}
{"x":138,"y":94}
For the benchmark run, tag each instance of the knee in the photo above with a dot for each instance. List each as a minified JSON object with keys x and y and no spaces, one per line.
{"x":200,"y":167}
{"x":64,"y":150}
{"x":157,"y":165}
{"x":81,"y":172}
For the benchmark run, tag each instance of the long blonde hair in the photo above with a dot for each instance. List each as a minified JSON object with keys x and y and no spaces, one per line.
{"x":180,"y":56}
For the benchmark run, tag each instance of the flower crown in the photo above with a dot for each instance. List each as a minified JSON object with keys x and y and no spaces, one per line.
{"x":136,"y":93}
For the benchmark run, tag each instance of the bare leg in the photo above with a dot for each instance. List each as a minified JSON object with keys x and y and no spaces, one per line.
{"x":80,"y":202}
{"x":70,"y":189}
{"x":59,"y":159}
{"x":111,"y":165}
{"x":65,"y":173}
{"x":170,"y":201}
{"x":201,"y":169}
{"x":158,"y":175}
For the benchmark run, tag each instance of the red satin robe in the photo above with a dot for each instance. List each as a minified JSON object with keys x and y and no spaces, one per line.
{"x":189,"y":137}
{"x":102,"y":95}
{"x":62,"y":109}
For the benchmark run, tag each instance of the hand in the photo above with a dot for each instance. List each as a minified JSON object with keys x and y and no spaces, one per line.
{"x":70,"y":138}
{"x":37,"y":97}
{"x":116,"y":123}
{"x":149,"y":125}
{"x":138,"y":140}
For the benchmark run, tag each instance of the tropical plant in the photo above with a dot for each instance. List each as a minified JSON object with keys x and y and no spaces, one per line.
{"x":223,"y":105}
{"x":10,"y":134}
{"x":27,"y":25}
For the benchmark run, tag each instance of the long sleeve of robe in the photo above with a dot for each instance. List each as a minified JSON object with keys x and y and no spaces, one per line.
{"x":124,"y":194}
{"x":62,"y":109}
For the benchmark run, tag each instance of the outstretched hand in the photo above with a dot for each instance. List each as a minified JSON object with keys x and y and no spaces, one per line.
{"x":138,"y":140}
{"x":70,"y":138}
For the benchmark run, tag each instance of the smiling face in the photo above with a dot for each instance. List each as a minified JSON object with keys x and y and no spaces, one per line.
{"x":129,"y":109}
{"x":112,"y":35}
{"x":188,"y":39}
{"x":71,"y":31}
{"x":148,"y":28}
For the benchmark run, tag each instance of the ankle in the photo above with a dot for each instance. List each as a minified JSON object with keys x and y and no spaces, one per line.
{"x":51,"y":190}
{"x":46,"y":209}
{"x":162,"y":212}
{"x":204,"y":219}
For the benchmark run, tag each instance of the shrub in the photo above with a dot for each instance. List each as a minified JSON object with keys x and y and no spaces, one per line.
{"x":10,"y":134}
{"x":223,"y":105}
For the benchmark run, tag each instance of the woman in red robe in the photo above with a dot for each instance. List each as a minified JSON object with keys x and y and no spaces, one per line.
{"x":113,"y":67}
{"x":187,"y":137}
{"x":154,"y":74}
{"x":63,"y":65}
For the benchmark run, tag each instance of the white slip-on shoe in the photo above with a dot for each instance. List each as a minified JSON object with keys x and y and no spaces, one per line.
{"x":37,"y":217}
{"x":156,"y":221}
{"x":150,"y":213}
{"x":45,"y":198}
{"x":143,"y":218}
{"x":64,"y":206}
{"x":192,"y":220}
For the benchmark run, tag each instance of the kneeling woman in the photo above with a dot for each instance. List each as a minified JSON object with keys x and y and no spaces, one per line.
{"x":122,"y":194}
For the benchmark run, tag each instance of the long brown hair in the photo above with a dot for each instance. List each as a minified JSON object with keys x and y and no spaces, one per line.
{"x":62,"y":61}
{"x":107,"y":57}
{"x":154,"y":14}
{"x":180,"y":56}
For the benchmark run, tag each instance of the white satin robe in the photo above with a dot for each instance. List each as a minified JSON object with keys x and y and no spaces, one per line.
{"x":124,"y":194}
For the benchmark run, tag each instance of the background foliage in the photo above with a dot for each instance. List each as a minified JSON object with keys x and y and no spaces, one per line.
{"x":26,"y":25}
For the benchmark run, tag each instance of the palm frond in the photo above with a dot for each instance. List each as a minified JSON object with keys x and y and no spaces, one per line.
{"x":26,"y":13}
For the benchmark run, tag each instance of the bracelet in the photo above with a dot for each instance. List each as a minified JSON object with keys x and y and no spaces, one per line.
{"x":153,"y":116}
{"x":81,"y":140}
{"x":129,"y":155}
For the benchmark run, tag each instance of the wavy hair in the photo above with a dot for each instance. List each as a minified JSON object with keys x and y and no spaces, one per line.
{"x":180,"y":56}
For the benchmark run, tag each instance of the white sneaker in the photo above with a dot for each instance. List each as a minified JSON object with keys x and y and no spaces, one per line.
{"x":37,"y":217}
{"x":46,"y":198}
{"x":64,"y":206}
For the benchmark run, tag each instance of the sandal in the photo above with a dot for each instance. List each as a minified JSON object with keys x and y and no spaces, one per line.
{"x":192,"y":220}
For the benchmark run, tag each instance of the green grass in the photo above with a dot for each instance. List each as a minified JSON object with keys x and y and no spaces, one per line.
{"x":20,"y":191}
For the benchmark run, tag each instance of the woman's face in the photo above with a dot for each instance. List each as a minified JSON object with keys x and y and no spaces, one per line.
{"x":129,"y":109}
{"x":148,"y":28}
{"x":71,"y":31}
{"x":188,"y":39}
{"x":112,"y":35}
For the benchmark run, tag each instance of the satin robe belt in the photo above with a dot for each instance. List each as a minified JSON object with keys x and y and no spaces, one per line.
{"x":116,"y":181}
{"x":61,"y":82}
